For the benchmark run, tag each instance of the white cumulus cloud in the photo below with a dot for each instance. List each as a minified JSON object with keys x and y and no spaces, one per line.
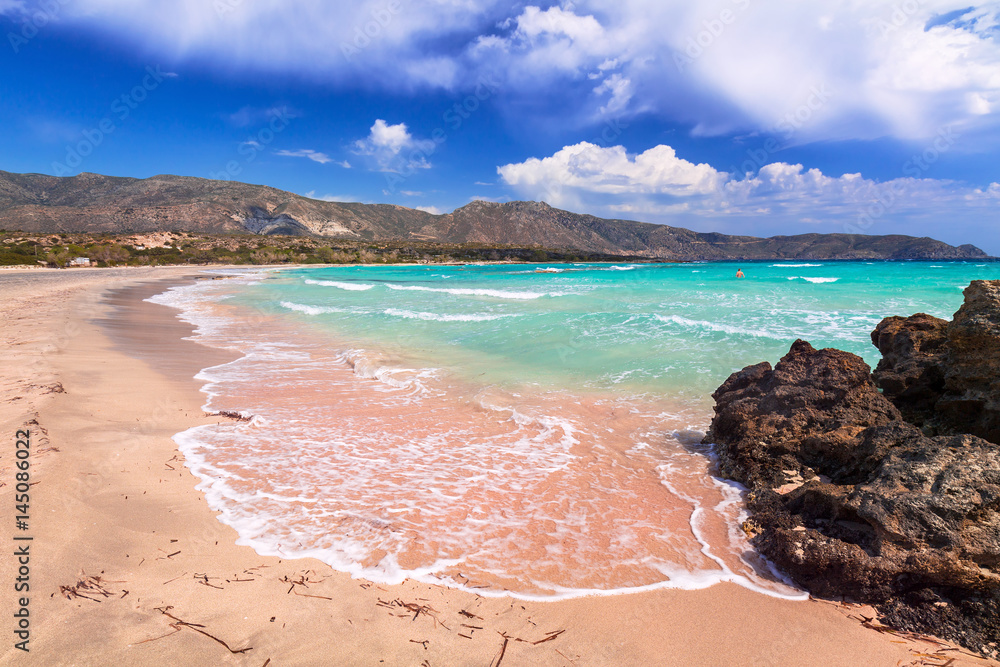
{"x":658,"y":186}
{"x":586,"y":167}
{"x":391,"y":148}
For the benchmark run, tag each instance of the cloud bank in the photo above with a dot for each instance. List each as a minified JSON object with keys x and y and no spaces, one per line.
{"x":896,"y":68}
{"x":659,"y":186}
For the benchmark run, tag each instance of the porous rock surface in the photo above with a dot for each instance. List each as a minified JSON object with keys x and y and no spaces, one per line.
{"x":945,"y":376}
{"x":891,"y":497}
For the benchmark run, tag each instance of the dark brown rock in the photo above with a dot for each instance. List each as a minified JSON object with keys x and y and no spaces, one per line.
{"x":850,"y":499}
{"x":971,"y":400}
{"x":919,"y":538}
{"x":945,"y":376}
{"x":798,"y":420}
{"x":910,"y":372}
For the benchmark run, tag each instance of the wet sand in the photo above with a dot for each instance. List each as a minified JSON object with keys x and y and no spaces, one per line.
{"x":130,"y":566}
{"x":139,"y":329}
{"x":386,"y":469}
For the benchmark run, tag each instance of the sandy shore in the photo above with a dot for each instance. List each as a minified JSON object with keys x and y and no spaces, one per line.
{"x":129,"y":566}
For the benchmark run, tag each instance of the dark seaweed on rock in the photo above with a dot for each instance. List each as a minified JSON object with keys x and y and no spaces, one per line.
{"x":890,"y":498}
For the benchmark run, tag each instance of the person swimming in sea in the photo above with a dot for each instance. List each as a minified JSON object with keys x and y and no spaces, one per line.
{"x":739,"y":273}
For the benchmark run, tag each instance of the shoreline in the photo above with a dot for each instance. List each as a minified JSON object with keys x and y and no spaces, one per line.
{"x":190,"y":443}
{"x":23,"y":268}
{"x":20,"y":268}
{"x":113,"y":501}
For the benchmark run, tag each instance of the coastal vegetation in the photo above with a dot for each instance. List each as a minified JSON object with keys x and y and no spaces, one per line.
{"x":173,"y":248}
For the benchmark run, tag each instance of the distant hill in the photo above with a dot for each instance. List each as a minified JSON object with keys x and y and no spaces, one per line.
{"x":96,"y":203}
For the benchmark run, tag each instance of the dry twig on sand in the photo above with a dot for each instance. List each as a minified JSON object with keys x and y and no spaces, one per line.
{"x":304,"y":581}
{"x":178,"y":624}
{"x":412,"y":608}
{"x":88,"y":588}
{"x":503,"y":651}
{"x":549,"y":636}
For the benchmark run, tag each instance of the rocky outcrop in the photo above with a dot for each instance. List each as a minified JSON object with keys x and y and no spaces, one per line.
{"x":260,"y":222}
{"x":945,"y":376}
{"x":972,"y":381}
{"x":910,"y":372}
{"x":850,"y":498}
{"x":798,"y":420}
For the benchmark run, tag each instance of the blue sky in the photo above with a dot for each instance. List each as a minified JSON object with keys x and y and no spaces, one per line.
{"x":737,"y":116}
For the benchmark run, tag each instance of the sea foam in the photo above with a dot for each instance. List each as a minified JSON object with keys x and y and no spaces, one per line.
{"x":438,"y":317}
{"x":310,"y":310}
{"x":353,"y":287}
{"x":469,"y":291}
{"x":714,"y":326}
{"x":811,"y":279}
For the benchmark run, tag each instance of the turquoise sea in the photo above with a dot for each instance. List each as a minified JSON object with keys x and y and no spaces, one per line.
{"x":528,"y":430}
{"x":669,"y":328}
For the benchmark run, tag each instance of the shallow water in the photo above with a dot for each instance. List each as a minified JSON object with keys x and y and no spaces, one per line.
{"x":524,"y":430}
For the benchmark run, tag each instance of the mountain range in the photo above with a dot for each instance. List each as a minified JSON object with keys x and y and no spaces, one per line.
{"x":120,"y":205}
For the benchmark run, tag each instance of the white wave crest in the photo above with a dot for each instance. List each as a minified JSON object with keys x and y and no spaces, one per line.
{"x":714,"y":326}
{"x":465,"y":291}
{"x":814,"y":280}
{"x":309,"y":310}
{"x":353,"y":287}
{"x":435,"y":317}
